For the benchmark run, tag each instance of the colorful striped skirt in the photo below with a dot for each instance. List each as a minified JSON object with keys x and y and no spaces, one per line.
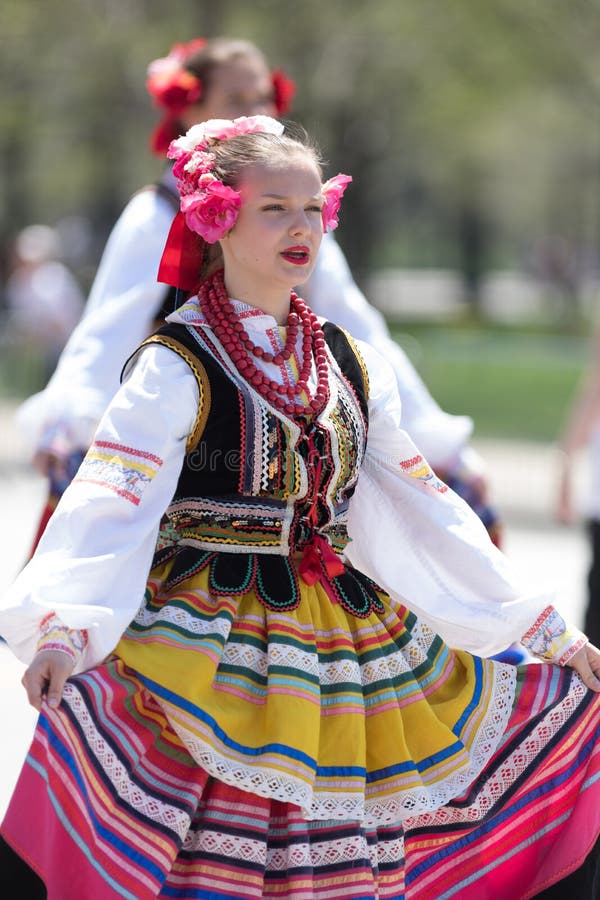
{"x":236,"y":751}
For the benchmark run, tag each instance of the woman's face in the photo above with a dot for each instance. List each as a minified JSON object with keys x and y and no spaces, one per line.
{"x":240,"y":87}
{"x":275,"y":240}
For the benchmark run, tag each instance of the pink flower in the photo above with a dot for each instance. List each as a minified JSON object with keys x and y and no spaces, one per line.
{"x":172,"y":86}
{"x":190,"y":165}
{"x":179,"y":171}
{"x":221,"y":129}
{"x":200,"y":163}
{"x":199,"y":136}
{"x":251,"y":124}
{"x":214,"y":129}
{"x":175,"y":151}
{"x":177,"y":55}
{"x":333,"y":191}
{"x":212,"y":210}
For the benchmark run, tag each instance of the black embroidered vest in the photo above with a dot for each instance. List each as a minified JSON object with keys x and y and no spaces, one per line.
{"x":256,"y":487}
{"x":252,"y":477}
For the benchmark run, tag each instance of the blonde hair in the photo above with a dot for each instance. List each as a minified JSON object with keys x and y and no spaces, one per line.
{"x":234,"y":155}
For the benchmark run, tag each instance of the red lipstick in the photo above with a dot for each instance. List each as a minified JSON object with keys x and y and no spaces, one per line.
{"x":298,"y":255}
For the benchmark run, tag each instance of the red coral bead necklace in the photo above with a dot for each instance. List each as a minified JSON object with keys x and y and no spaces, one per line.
{"x":220,"y":314}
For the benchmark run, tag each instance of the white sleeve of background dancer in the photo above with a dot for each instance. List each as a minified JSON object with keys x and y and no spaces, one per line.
{"x":92,"y":563}
{"x":334,"y":295}
{"x":424,"y":545}
{"x":118,"y":316}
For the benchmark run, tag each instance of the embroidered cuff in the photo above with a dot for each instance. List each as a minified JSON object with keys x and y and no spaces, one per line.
{"x":550,"y":638}
{"x":54,"y":635}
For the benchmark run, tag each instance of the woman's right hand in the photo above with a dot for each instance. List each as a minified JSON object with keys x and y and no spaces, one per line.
{"x":45,"y":677}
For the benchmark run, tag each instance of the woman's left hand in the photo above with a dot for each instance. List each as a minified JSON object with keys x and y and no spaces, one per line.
{"x":586,"y":663}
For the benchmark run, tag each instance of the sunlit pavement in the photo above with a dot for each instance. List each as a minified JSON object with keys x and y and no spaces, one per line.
{"x":523,"y":481}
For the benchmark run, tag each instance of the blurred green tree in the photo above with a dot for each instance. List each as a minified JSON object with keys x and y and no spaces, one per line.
{"x":470,"y":129}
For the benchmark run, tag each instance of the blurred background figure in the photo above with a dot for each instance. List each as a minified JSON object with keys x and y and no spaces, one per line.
{"x":44,"y":300}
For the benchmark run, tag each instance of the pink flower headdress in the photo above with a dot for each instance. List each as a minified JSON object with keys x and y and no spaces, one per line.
{"x":209,"y":208}
{"x":333,"y":191}
{"x":169,"y":84}
{"x":173,"y":88}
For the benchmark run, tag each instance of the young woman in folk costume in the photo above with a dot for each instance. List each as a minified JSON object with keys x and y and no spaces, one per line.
{"x":204,"y":79}
{"x":257,"y":718}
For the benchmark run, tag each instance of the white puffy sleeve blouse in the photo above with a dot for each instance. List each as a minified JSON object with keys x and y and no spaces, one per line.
{"x":410,"y":534}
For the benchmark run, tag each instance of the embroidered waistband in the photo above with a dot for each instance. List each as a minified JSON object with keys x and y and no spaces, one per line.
{"x":241,"y":528}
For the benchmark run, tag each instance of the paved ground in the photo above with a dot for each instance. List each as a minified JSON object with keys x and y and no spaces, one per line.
{"x":523,"y":481}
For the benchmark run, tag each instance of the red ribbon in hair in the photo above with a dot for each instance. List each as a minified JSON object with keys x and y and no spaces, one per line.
{"x":182,"y":257}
